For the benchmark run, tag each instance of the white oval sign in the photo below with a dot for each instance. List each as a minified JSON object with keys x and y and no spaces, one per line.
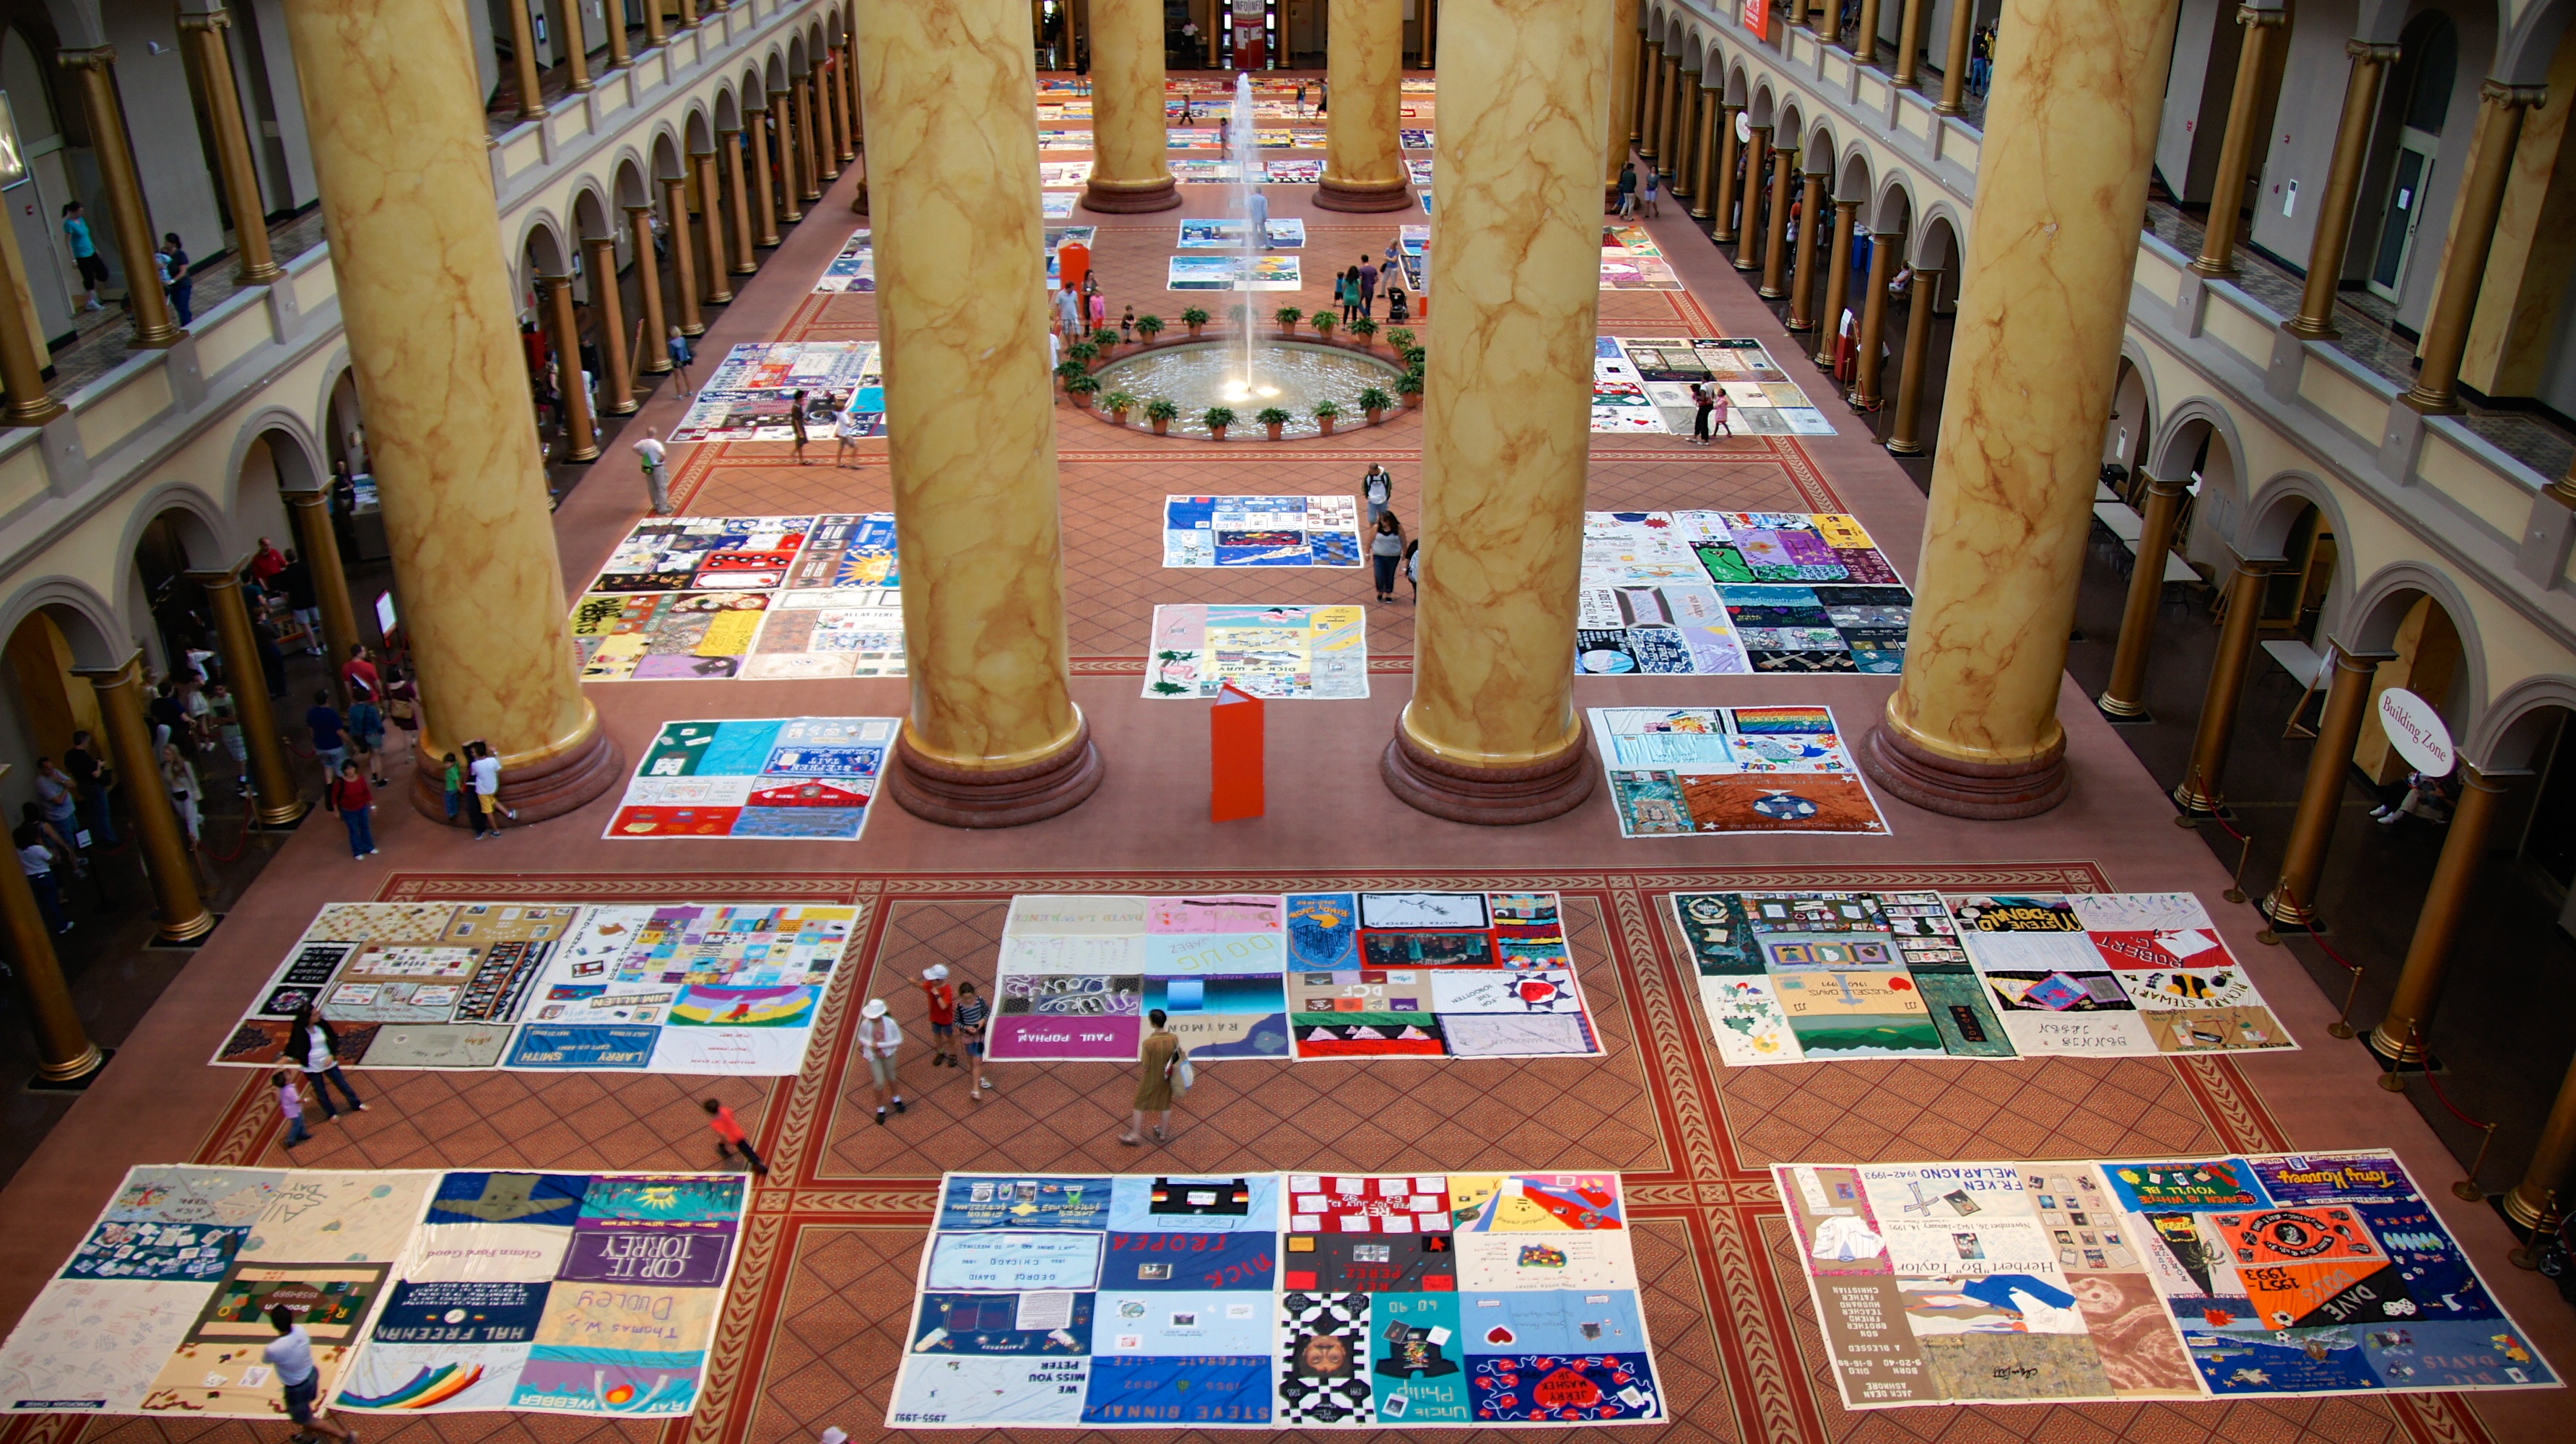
{"x":1743,"y":127}
{"x":2416,"y":731}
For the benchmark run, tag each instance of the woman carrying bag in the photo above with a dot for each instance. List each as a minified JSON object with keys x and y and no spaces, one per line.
{"x":1164,"y":1074}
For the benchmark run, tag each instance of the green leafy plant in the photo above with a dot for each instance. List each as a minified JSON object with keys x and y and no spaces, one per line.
{"x":1364,"y":328}
{"x":1218,"y":418}
{"x":1275,"y":416}
{"x":1118,"y":403}
{"x":1410,"y":384}
{"x":1324,"y":323}
{"x":1194,"y":318}
{"x":1415,"y":357}
{"x":1104,"y":338}
{"x":1374,"y":400}
{"x":1069,"y":368}
{"x":1085,"y":385}
{"x":1400,"y":338}
{"x":1149,"y":327}
{"x":1327,"y":409}
{"x":1288,"y":317}
{"x":1163,"y":409}
{"x":1082,"y":351}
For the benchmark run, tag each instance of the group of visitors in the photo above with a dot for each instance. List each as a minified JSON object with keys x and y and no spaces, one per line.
{"x":176,"y":273}
{"x":1355,"y":290}
{"x":1637,"y":191}
{"x":1389,"y":548}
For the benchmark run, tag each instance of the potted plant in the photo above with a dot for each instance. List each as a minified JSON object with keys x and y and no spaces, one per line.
{"x":1196,"y":320}
{"x":1325,"y":413}
{"x":1410,"y":388}
{"x":1288,"y":317}
{"x":1082,"y":388}
{"x":1162,"y":411}
{"x":1082,"y":351}
{"x":1324,"y":324}
{"x":1242,"y":316}
{"x":1275,"y":417}
{"x":1364,"y":328}
{"x":1068,"y":368}
{"x":1373,"y":403}
{"x":1106,"y":339}
{"x":1148,"y":327}
{"x":1218,"y":418}
{"x":1400,"y":338}
{"x":1415,"y":357}
{"x":1118,"y":404}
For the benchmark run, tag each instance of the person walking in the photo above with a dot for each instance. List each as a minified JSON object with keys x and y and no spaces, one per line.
{"x":1350,"y":294}
{"x":453,"y":783}
{"x":881,"y":1043}
{"x":291,"y":1355}
{"x":58,"y":796}
{"x":730,"y":1137}
{"x":1650,"y":190}
{"x":85,"y":256}
{"x":179,"y":777}
{"x":796,"y":419}
{"x":316,"y":1049}
{"x":1627,"y":189}
{"x":973,"y":1013}
{"x":485,"y":770}
{"x":943,"y":1015}
{"x":402,"y":706}
{"x":367,"y":734}
{"x":179,"y":274}
{"x":297,"y":582}
{"x":650,"y":452}
{"x":1413,"y":566}
{"x":290,"y":1106}
{"x":93,"y":777}
{"x":1699,"y":394}
{"x":330,"y":733}
{"x":1377,"y":488}
{"x":1718,"y":409}
{"x":223,"y":714}
{"x":847,"y":430}
{"x":349,"y":796}
{"x":1368,"y":286}
{"x":1386,"y":548}
{"x":1342,"y":294}
{"x":682,"y":354}
{"x":1157,"y":1083}
{"x":44,"y":875}
{"x":1301,"y":100}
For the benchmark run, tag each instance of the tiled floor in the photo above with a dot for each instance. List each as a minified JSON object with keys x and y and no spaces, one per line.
{"x":812,"y":1336}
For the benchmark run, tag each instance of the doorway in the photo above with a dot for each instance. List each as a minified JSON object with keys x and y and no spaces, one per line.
{"x":2412,"y":172}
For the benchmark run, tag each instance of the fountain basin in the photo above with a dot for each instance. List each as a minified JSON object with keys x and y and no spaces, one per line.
{"x":1293,"y":375}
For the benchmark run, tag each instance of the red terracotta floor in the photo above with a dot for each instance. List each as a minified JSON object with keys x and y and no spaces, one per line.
{"x":811,"y":1338}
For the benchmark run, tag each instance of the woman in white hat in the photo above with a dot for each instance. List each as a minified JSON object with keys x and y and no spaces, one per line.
{"x":880,"y":1039}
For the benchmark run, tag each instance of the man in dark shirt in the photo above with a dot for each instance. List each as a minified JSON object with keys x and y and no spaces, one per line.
{"x":296,"y":580}
{"x":92,"y":777}
{"x":1368,"y":287}
{"x":329,"y":742}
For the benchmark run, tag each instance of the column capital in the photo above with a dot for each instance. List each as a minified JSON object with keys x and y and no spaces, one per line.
{"x":1784,"y":152}
{"x":2493,"y":91}
{"x":2352,"y":658}
{"x":780,"y":93}
{"x":115,"y":673}
{"x":1849,"y":208}
{"x":227,"y":576}
{"x":2263,"y":565}
{"x":97,"y":56}
{"x":2261,"y":16}
{"x":646,"y":209}
{"x":215,"y":19}
{"x":2371,"y":51}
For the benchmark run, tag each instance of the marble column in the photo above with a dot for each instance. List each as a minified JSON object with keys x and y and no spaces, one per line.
{"x":1627,"y":47}
{"x":319,"y":547}
{"x":523,"y":50}
{"x":819,"y":93}
{"x":2236,"y":145}
{"x":576,"y":50}
{"x":2203,"y":787}
{"x":23,"y":357}
{"x":396,"y":118}
{"x":1864,"y":40}
{"x":1829,"y":319}
{"x":688,"y":14}
{"x":2343,"y":189}
{"x":257,"y":266}
{"x":1775,"y":247}
{"x":784,"y":151}
{"x":711,"y":195}
{"x":653,"y":36}
{"x":1811,"y":223}
{"x":616,"y":369}
{"x":2401,"y":1035}
{"x":2292,"y":903}
{"x":1645,"y":68}
{"x":180,"y":918}
{"x":1905,"y":436}
{"x":685,"y":279}
{"x":1748,"y":243}
{"x":1129,"y":171}
{"x":1832,"y":31}
{"x":613,"y":20}
{"x":848,"y":133}
{"x":64,"y":1053}
{"x":652,"y":357}
{"x":2539,"y":1202}
{"x":754,"y":182}
{"x":1972,"y":729}
{"x":1686,"y":128}
{"x":1728,"y":156}
{"x":1668,"y":126}
{"x":1652,"y":93}
{"x":1885,"y":249}
{"x":129,"y":216}
{"x":1907,"y":72}
{"x":277,"y":801}
{"x":2464,"y":255}
{"x":1363,"y":157}
{"x":2124,"y":700}
{"x":993,"y":738}
{"x":1705,"y":190}
{"x":1954,"y":62}
{"x":575,"y":429}
{"x":1492,"y":734}
{"x":809,"y":149}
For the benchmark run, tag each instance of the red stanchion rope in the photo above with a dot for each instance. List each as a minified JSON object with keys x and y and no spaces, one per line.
{"x":240,"y":844}
{"x":2445,"y":1099}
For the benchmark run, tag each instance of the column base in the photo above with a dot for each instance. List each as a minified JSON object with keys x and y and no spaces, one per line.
{"x":548,"y":787}
{"x":1797,"y":326}
{"x":1129,"y":198}
{"x":973,"y":797}
{"x":1985,"y":791}
{"x":2399,"y":1052}
{"x":195,"y":933}
{"x":2544,"y":1216}
{"x":285,"y":817}
{"x":2307,"y":330}
{"x":2287,"y":917}
{"x":2197,"y":801}
{"x":628,"y":408}
{"x":2120,"y":712}
{"x":1364,"y":197}
{"x":1742,"y":264}
{"x":1487,"y":796}
{"x":2220,"y":269}
{"x":71,"y":1077}
{"x":2426,"y":402}
{"x":1906,"y":448}
{"x":1722,"y":236}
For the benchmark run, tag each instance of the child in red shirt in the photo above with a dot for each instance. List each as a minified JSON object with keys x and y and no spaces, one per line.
{"x":943,"y":1015}
{"x":730,"y":1137}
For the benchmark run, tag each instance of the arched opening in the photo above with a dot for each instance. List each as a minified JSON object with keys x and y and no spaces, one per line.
{"x":2124,"y":435}
{"x":172,"y":544}
{"x":52,"y":705}
{"x":2295,"y":596}
{"x":2431,"y":661}
{"x":2419,"y":152}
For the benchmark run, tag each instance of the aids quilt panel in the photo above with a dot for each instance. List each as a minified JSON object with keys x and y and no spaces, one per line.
{"x":1789,"y":977}
{"x":2265,"y":1275}
{"x":1733,"y":592}
{"x":1288,"y":653}
{"x":1685,"y":771}
{"x":419,"y":1289}
{"x":1308,"y":975}
{"x":777,"y":777}
{"x":748,"y":396}
{"x":1261,"y":531}
{"x":1271,"y":1300}
{"x":708,"y":988}
{"x":1631,"y":261}
{"x":854,"y":269}
{"x":703,"y":598}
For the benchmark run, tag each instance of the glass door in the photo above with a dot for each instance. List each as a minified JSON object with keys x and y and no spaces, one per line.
{"x":2412,"y":172}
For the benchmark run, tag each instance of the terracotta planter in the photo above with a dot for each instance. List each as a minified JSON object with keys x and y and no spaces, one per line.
{"x":1374,"y":413}
{"x":1195,"y":328}
{"x":1118,"y":416}
{"x":1081,"y":399}
{"x":1162,"y":427}
{"x":1216,"y":433}
{"x":1412,"y":400}
{"x":1274,"y":429}
{"x":1326,"y":422}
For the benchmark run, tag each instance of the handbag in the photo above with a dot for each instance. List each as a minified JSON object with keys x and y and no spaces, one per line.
{"x":1180,"y":1073}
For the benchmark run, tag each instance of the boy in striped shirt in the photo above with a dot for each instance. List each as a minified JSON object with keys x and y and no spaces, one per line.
{"x":972,"y":1014}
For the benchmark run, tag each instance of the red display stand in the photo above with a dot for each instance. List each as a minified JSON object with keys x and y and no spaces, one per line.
{"x":1234,"y":756}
